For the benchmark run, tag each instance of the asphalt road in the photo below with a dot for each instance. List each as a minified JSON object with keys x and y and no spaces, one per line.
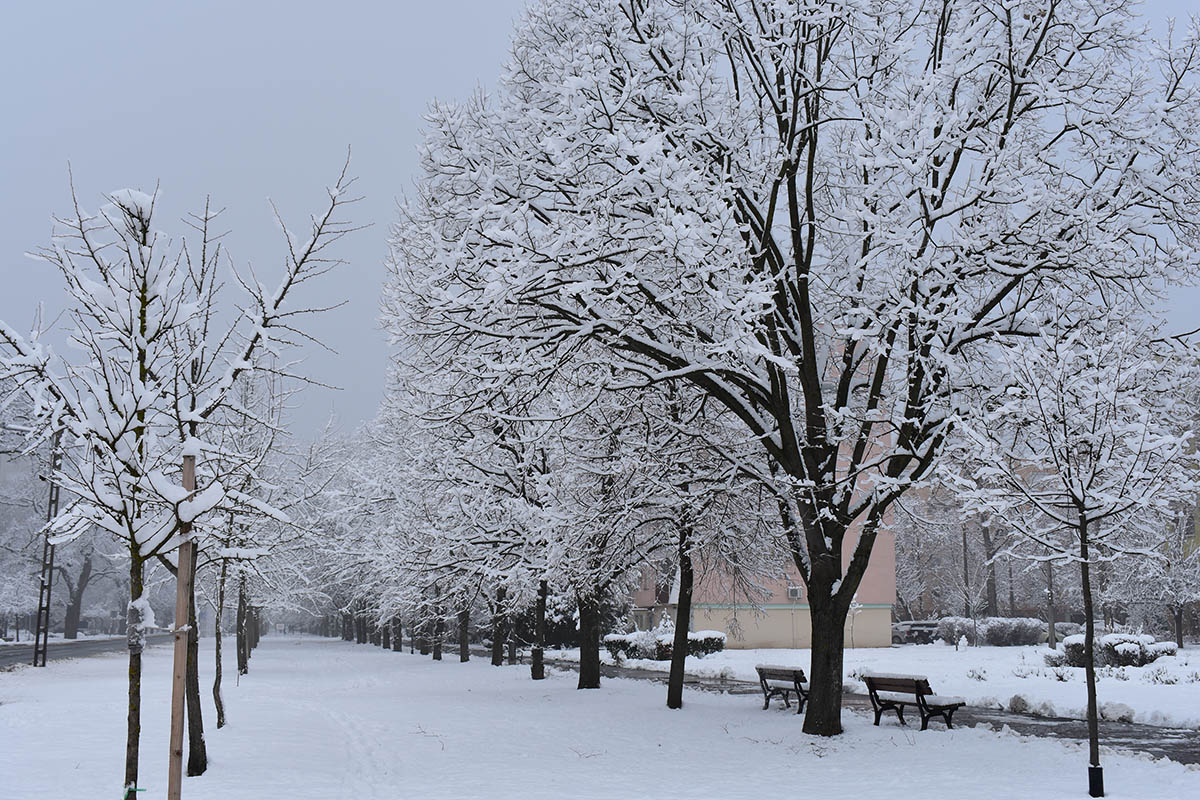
{"x":16,"y":654}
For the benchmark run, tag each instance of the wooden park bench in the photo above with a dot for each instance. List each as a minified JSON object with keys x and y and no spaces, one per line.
{"x":780,"y":681}
{"x":894,"y":692}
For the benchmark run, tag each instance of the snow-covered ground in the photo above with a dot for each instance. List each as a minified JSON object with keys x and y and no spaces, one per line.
{"x":320,"y":718}
{"x":1166,"y":692}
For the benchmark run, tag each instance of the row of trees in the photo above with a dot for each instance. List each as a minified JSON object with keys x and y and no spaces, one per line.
{"x":162,"y":366}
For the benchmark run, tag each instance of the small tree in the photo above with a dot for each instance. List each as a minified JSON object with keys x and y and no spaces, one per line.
{"x":1088,"y":442}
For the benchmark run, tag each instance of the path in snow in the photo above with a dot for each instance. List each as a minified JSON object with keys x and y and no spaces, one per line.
{"x":17,"y":654}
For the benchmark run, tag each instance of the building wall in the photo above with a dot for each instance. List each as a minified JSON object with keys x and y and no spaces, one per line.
{"x":789,"y":625}
{"x":782,"y":620}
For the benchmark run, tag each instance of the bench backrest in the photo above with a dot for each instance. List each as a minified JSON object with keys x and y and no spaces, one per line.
{"x":917,"y":686}
{"x":781,"y":674}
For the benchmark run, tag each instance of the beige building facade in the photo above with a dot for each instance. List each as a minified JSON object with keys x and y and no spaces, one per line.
{"x":782,"y":619}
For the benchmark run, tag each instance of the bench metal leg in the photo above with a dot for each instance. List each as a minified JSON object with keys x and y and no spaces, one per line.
{"x":900,"y":714}
{"x":878,"y":714}
{"x":766,"y":701}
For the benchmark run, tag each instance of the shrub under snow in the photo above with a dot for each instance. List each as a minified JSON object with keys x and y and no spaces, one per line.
{"x":1118,"y":650}
{"x":657,"y":646}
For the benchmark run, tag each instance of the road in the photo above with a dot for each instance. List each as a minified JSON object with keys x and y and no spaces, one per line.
{"x":15,"y":654}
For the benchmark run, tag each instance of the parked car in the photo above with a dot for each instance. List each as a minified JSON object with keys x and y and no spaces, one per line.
{"x":917,"y":631}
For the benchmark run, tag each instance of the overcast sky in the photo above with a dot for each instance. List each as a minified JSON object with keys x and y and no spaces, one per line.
{"x":245,"y":101}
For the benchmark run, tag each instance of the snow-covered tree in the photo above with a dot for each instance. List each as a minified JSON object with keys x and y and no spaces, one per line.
{"x":1087,"y":444}
{"x":152,"y":367}
{"x":811,"y":212}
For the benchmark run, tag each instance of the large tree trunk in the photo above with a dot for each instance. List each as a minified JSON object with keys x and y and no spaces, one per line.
{"x":823,"y":717}
{"x":218,"y":701}
{"x":537,"y":663}
{"x":1095,"y":777}
{"x":589,"y":642}
{"x":464,"y":634}
{"x":75,"y":601}
{"x":136,"y":636}
{"x":683,"y":620}
{"x":197,"y":751}
{"x":499,"y":629}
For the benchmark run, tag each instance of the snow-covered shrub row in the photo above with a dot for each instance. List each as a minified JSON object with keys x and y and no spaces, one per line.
{"x":657,"y":646}
{"x":999,"y":631}
{"x":1118,"y":650}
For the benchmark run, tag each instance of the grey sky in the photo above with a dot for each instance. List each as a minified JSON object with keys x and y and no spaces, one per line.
{"x":246,"y":100}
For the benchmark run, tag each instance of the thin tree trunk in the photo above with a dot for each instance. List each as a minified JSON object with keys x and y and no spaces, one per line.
{"x":966,"y":577}
{"x":1012,"y":596}
{"x":589,"y":642}
{"x":993,"y":603}
{"x":1177,"y":618}
{"x":683,"y":619}
{"x":397,"y":638}
{"x":218,"y":701}
{"x":537,"y":664}
{"x":1053,"y":635}
{"x":464,"y":635}
{"x":823,"y":716}
{"x":439,"y":632}
{"x":243,"y":648}
{"x":1089,"y":653}
{"x":385,"y":635}
{"x":135,"y":634}
{"x":197,"y":751}
{"x":498,"y":628}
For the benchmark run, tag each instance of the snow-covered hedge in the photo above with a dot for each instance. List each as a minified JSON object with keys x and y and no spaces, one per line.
{"x":1118,"y":650}
{"x":1000,"y":631}
{"x":657,"y":646}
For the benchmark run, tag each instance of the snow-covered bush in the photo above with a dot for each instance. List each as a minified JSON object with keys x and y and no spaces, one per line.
{"x":656,"y":646}
{"x":998,"y":631}
{"x":951,"y":629}
{"x":1160,"y":675}
{"x":1012,"y":631}
{"x":1055,"y":658}
{"x":1118,"y":650}
{"x":1064,"y":629}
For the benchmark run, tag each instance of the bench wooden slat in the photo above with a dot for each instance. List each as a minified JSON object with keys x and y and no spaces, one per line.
{"x":892,"y":693}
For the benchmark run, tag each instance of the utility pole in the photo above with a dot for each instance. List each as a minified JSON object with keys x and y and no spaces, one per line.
{"x":41,"y":639}
{"x":183,"y":594}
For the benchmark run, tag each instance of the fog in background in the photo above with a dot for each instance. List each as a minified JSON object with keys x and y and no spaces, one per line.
{"x":245,"y":101}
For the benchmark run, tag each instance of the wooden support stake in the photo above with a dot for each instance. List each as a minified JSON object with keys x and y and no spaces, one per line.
{"x":183,"y":594}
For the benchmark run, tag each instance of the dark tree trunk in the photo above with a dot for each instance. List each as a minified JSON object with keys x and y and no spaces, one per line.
{"x":683,"y":619}
{"x":589,"y":642}
{"x":823,"y":716}
{"x":1089,"y":662}
{"x":75,"y":601}
{"x":385,"y":636}
{"x":1177,"y":618}
{"x":993,"y":603}
{"x":439,"y":632}
{"x":464,"y":635}
{"x":967,"y":611}
{"x":1012,"y":596}
{"x":218,"y":700}
{"x":243,"y":647}
{"x":499,"y":629}
{"x":537,"y":663}
{"x":397,"y":638}
{"x":347,"y":626}
{"x":136,"y":639}
{"x":197,"y":751}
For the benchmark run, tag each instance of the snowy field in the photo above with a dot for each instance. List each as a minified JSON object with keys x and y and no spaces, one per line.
{"x":320,"y":718}
{"x":1166,"y":692}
